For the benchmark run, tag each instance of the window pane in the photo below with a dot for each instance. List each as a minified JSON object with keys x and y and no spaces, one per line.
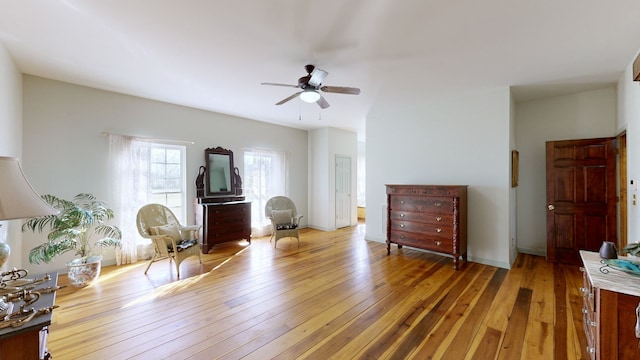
{"x":167,"y":174}
{"x":157,"y":184}
{"x":157,"y":171}
{"x":173,"y":171}
{"x":157,"y":155}
{"x":174,"y":200}
{"x":172,"y":185}
{"x":173,"y":156}
{"x":158,"y":198}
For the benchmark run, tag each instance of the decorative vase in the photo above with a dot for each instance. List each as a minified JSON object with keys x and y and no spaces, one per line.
{"x":608,"y":250}
{"x":81,"y":273}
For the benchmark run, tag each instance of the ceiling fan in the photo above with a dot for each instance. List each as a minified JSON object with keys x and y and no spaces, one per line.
{"x":310,"y":84}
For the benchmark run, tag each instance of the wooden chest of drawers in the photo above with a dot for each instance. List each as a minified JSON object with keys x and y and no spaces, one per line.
{"x":610,"y":300}
{"x":429,"y":217}
{"x":222,"y":222}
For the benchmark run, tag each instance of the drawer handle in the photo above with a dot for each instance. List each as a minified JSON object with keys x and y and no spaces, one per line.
{"x":438,"y":218}
{"x":401,"y":236}
{"x":585,"y":311}
{"x":438,"y":230}
{"x":401,"y":225}
{"x":401,"y":201}
{"x":401,"y":215}
{"x":583,"y":290}
{"x":438,"y":243}
{"x":591,"y":350}
{"x":438,"y":204}
{"x":592,"y":323}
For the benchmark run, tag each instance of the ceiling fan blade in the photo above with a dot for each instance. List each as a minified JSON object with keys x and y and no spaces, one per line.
{"x":341,"y":90}
{"x":322,"y":102}
{"x":288,"y":98}
{"x":276,"y":84}
{"x":317,"y":76}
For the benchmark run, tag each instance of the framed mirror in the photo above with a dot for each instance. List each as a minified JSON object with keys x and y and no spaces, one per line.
{"x":219,"y":175}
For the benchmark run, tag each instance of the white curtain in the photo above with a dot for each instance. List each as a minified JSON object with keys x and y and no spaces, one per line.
{"x":129,"y":176}
{"x":266,"y":174}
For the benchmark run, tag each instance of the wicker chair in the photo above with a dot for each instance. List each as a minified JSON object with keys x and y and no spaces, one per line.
{"x":284,"y":218}
{"x":170,"y":239}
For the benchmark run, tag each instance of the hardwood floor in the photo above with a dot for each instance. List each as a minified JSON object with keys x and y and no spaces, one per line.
{"x":336,"y":296}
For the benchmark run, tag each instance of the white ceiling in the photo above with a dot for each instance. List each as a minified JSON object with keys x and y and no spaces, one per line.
{"x":213,"y":54}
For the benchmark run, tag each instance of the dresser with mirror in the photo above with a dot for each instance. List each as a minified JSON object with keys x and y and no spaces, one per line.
{"x":221,"y":207}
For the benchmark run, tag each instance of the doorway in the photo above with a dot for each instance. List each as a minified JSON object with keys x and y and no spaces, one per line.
{"x":343,"y":191}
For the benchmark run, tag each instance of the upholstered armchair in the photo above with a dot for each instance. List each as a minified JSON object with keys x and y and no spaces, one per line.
{"x":170,"y":239}
{"x":284,"y":218}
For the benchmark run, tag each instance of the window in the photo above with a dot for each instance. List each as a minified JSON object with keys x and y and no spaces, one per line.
{"x":142,"y":172}
{"x":265,"y":175}
{"x":167,"y":178}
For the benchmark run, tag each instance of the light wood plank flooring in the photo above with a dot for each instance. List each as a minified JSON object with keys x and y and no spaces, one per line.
{"x":336,"y":296}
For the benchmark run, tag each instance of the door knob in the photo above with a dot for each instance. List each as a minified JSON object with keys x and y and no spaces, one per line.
{"x":551,"y":207}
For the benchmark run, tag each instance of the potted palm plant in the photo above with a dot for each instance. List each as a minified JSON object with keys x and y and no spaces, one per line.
{"x":632,"y":249}
{"x":72,"y":229}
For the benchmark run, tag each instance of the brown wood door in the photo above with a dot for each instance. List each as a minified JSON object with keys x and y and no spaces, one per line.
{"x":581,"y":197}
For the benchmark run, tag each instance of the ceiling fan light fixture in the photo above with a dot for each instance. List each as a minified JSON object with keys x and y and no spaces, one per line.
{"x":309,"y":96}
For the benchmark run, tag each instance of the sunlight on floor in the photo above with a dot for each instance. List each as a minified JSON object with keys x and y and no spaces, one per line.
{"x":177,"y":285}
{"x":167,"y":289}
{"x":105,"y":277}
{"x":230,"y":258}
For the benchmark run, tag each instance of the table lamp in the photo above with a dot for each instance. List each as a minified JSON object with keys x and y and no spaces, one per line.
{"x":18,"y":200}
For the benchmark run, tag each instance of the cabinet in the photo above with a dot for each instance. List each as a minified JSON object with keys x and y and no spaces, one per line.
{"x":222,"y":222}
{"x":429,"y":217}
{"x":609,"y":309}
{"x":29,"y":341}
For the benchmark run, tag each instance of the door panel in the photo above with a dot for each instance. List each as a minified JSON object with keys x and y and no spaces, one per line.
{"x":581,"y":197}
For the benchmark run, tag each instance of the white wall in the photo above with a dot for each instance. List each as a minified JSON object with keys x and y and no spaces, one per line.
{"x":324,"y":145}
{"x":629,"y":119}
{"x":10,"y":143}
{"x":458,"y":139}
{"x":583,"y":115}
{"x":65,"y":152}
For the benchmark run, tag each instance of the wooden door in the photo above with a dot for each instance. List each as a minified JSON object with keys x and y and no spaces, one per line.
{"x":581,"y":197}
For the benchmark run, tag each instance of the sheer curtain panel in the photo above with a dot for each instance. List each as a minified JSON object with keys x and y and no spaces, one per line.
{"x":266,"y":174}
{"x":129,"y":175}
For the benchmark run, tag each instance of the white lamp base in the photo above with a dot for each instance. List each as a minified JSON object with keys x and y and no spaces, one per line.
{"x":5,"y":251}
{"x":5,"y":309}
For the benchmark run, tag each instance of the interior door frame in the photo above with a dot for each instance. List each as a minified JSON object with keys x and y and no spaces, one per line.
{"x":622,"y":190}
{"x":339,"y":179}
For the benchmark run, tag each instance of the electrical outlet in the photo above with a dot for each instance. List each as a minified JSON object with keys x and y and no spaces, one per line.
{"x":513,"y":242}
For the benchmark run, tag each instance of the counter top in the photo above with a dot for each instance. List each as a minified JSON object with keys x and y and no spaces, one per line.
{"x":615,"y":280}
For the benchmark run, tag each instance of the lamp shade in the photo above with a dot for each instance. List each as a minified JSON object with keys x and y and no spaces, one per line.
{"x":309,"y":96}
{"x":18,"y":200}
